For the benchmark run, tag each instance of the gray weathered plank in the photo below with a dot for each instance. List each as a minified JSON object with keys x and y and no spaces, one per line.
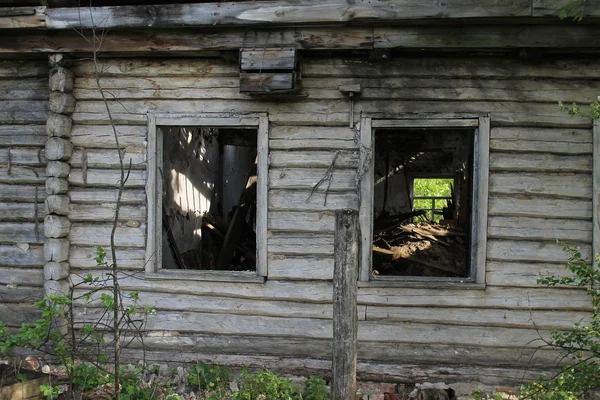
{"x":18,"y":192}
{"x":526,"y":228}
{"x":107,"y":178}
{"x":101,"y":136}
{"x":532,"y":251}
{"x":300,"y":200}
{"x":21,"y":255}
{"x":298,"y":221}
{"x":105,"y":212}
{"x":129,"y":196}
{"x":21,"y":276}
{"x":20,"y":232}
{"x":536,"y":206}
{"x":540,"y":162}
{"x":81,"y":258}
{"x":301,"y":244}
{"x":552,"y":185}
{"x":266,"y":13}
{"x":309,"y":178}
{"x":502,"y":273}
{"x":300,"y":268}
{"x":133,"y":157}
{"x":99,"y":235}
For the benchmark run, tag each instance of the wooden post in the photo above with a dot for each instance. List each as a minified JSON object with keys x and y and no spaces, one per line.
{"x":345,"y":318}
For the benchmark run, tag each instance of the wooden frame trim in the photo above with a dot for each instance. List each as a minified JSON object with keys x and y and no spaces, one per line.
{"x":596,"y":194}
{"x":479,"y":195}
{"x":154,"y":193}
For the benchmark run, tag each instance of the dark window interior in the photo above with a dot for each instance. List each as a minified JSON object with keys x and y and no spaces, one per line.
{"x":209,"y":198}
{"x":422,"y":202}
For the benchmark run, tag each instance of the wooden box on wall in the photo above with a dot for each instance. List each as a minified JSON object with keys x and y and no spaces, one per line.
{"x":264,"y":71}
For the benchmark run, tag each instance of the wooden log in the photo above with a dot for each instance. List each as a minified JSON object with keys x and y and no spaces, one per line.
{"x":309,"y":178}
{"x":107,"y":178}
{"x":56,"y":185}
{"x":231,"y":39}
{"x":22,"y":156}
{"x":345,"y":321}
{"x":21,"y":276}
{"x":56,"y":270}
{"x":300,"y":268}
{"x":20,"y":232}
{"x":530,"y":251}
{"x":94,"y":158}
{"x":312,"y":159}
{"x":20,"y":293}
{"x":14,"y":315}
{"x":58,"y":169}
{"x":299,"y":221}
{"x":61,"y":80}
{"x":56,"y":250}
{"x":82,"y":258}
{"x":61,"y":103}
{"x":99,"y":235}
{"x":301,"y":200}
{"x":21,"y":255}
{"x":22,"y":135}
{"x":488,"y":36}
{"x":10,"y":211}
{"x":301,"y":244}
{"x":56,"y":287}
{"x":540,"y":162}
{"x":566,"y":185}
{"x":526,"y":228}
{"x":102,"y":136}
{"x":106,"y":212}
{"x":56,"y":226}
{"x":20,"y":175}
{"x":58,"y":149}
{"x":95,"y":196}
{"x":59,"y":125}
{"x":266,"y":82}
{"x":264,"y":13}
{"x":543,"y":207}
{"x":552,"y":8}
{"x":521,"y":274}
{"x":57,"y":204}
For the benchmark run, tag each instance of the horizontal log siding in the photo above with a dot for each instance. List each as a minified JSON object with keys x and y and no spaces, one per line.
{"x":23,"y":102}
{"x":540,"y":191}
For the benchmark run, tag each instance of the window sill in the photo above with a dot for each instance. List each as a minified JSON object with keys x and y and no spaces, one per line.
{"x":212,"y":276}
{"x":430,"y":283}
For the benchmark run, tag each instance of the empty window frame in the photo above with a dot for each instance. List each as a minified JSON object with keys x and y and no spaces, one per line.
{"x":411,"y":166}
{"x":207,"y":192}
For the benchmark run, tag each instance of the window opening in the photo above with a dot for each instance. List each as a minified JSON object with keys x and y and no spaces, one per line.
{"x":209,"y":194}
{"x":422,"y":201}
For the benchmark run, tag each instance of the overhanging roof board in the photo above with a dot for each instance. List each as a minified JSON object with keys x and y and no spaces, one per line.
{"x":292,"y":12}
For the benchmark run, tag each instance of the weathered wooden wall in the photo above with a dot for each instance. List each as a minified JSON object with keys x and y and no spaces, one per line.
{"x":540,"y":191}
{"x":23,"y":102}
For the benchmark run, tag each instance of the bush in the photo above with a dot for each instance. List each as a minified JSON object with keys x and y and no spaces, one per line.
{"x":266,"y":385}
{"x":581,"y":343}
{"x":315,"y":389}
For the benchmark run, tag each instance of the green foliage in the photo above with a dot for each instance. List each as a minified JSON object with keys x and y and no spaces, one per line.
{"x":51,"y":392}
{"x":432,"y":187}
{"x":212,"y":379}
{"x":575,"y":110}
{"x":580,"y":344}
{"x":87,"y":377}
{"x":315,"y":389}
{"x":479,"y":394}
{"x":575,"y":9}
{"x":266,"y":385}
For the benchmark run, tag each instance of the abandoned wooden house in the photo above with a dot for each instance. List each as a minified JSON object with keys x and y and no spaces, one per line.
{"x":243,"y":126}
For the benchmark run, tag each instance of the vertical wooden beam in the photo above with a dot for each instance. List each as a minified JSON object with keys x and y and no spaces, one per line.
{"x":596,"y":191}
{"x":480,"y":200}
{"x":262,"y":195}
{"x":345,"y":319}
{"x":151,"y":195}
{"x":365,"y":171}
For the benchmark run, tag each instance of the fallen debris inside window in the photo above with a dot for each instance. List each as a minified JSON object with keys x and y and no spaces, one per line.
{"x":209,"y":198}
{"x":422,"y":202}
